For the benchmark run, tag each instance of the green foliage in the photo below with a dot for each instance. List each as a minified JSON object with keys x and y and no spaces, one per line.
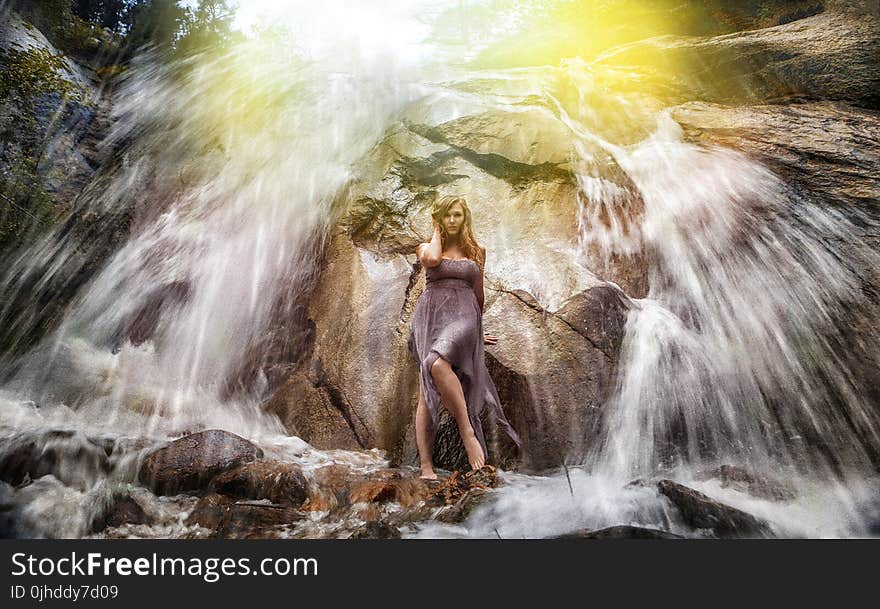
{"x":32,"y":72}
{"x":207,"y":26}
{"x":26,"y":75}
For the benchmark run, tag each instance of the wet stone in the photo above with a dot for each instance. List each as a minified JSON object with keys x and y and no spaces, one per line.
{"x":191,"y":462}
{"x":620,"y":532}
{"x":702,"y":512}
{"x":231,"y":519}
{"x":123,"y":510}
{"x":281,"y":483}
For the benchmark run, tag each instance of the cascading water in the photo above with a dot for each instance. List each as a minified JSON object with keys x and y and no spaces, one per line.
{"x":233,"y":165}
{"x":742,"y":356}
{"x":739,"y":355}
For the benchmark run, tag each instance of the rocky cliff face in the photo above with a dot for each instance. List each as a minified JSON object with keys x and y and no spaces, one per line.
{"x":54,"y":113}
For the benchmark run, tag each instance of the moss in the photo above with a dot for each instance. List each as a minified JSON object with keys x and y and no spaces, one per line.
{"x":32,"y":72}
{"x":25,"y":211}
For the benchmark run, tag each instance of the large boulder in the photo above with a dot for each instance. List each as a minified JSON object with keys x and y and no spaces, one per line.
{"x":357,"y":384}
{"x":191,"y":462}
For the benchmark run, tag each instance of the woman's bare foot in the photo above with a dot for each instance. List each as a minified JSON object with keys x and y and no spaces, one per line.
{"x":428,"y":473}
{"x":474,"y":450}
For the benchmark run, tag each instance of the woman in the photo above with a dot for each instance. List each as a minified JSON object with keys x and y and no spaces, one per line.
{"x":447,"y":336}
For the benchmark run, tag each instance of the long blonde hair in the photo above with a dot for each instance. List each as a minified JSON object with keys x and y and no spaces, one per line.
{"x":468,"y":241}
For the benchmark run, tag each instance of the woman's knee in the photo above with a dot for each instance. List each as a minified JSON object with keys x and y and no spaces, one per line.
{"x":439,"y":366}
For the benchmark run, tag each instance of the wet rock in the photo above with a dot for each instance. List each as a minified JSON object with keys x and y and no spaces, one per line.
{"x":123,"y":509}
{"x":453,"y":489}
{"x":337,"y":487}
{"x":49,"y":158}
{"x":376,"y":530}
{"x":406,"y":491}
{"x":69,"y":456}
{"x":189,"y":463}
{"x":280,"y":483}
{"x":231,"y":519}
{"x":459,"y":511}
{"x":702,"y":512}
{"x":745,"y":481}
{"x":620,"y":532}
{"x":830,"y":149}
{"x":597,"y":315}
{"x":142,"y":324}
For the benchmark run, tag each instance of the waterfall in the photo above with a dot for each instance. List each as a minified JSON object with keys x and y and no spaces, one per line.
{"x":224,"y":176}
{"x":745,"y":354}
{"x":741,"y":352}
{"x":233,"y":167}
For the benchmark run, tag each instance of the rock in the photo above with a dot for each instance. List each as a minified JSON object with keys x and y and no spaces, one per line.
{"x":50,"y":162}
{"x":830,"y":149}
{"x":123,"y":509}
{"x":405,"y":490}
{"x":280,"y":483}
{"x":336,"y":487}
{"x":599,"y":315}
{"x":454,"y":488}
{"x":141,"y":325}
{"x":68,"y":455}
{"x":620,"y":532}
{"x":369,"y":282}
{"x":831,"y":55}
{"x":464,"y":507}
{"x":231,"y":519}
{"x":745,"y":481}
{"x":702,"y":512}
{"x":189,"y":463}
{"x":376,"y":530}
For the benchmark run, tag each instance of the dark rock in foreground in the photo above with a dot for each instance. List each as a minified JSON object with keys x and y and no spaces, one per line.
{"x":281,"y":483}
{"x":702,"y":512}
{"x":376,"y":530}
{"x":231,"y":519}
{"x":191,"y":462}
{"x":620,"y":532}
{"x":69,"y":456}
{"x":123,"y":510}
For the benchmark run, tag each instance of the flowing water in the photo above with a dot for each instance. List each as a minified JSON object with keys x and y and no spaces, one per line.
{"x":739,"y":355}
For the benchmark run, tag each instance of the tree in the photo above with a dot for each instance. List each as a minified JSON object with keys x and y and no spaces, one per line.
{"x":208,"y":25}
{"x":157,"y":22}
{"x":107,"y":13}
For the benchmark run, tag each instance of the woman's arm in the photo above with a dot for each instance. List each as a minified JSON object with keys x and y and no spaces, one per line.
{"x":478,"y":285}
{"x":430,"y":254}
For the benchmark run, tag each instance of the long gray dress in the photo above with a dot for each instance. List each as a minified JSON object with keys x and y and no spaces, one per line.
{"x":447,"y":322}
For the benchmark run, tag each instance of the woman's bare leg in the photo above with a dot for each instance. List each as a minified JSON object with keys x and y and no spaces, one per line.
{"x":453,"y":398}
{"x":423,"y":438}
